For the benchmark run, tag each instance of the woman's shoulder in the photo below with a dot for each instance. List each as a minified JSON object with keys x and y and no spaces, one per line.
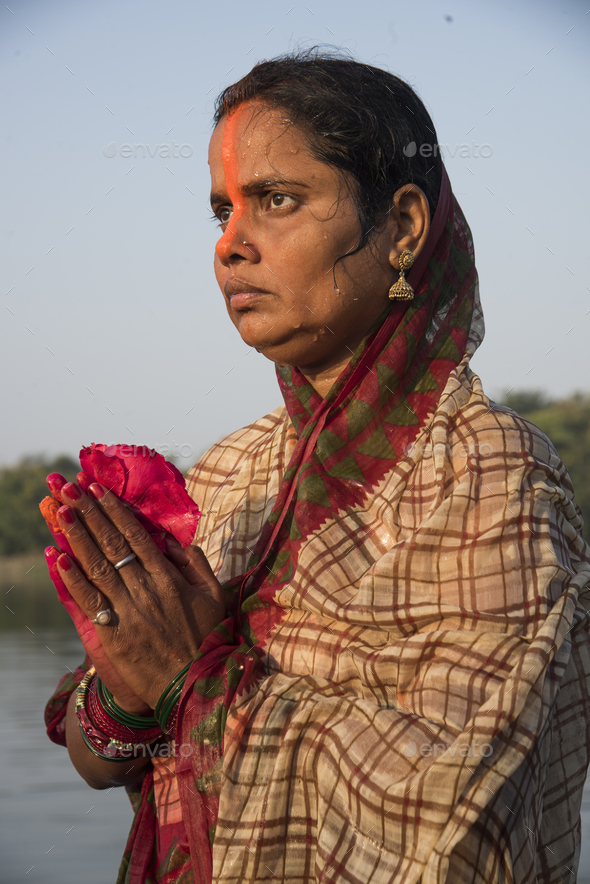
{"x":470,"y":414}
{"x":503,"y":448}
{"x":229,"y":454}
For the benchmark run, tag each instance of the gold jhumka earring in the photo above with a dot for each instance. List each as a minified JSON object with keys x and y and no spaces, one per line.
{"x":401,"y":290}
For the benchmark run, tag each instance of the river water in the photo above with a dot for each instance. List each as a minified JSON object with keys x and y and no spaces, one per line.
{"x":54,"y":829}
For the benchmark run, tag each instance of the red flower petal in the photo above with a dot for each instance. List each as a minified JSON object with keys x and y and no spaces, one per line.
{"x":84,"y":481}
{"x":152,"y":487}
{"x":145,"y":469}
{"x":102,"y":464}
{"x":169,"y":506}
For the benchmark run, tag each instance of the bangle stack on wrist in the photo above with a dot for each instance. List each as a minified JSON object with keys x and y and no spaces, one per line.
{"x":116,"y":735}
{"x":109,"y":731}
{"x":101,"y":698}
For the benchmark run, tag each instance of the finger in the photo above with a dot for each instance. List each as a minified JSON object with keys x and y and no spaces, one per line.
{"x":90,"y":600}
{"x":176,"y":553}
{"x":96,"y":566}
{"x":195,"y":568}
{"x":135,"y":535}
{"x":55,"y":482}
{"x":106,"y":536}
{"x":181,"y":559}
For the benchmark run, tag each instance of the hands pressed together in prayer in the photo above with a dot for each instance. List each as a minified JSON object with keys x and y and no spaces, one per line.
{"x":162,"y":606}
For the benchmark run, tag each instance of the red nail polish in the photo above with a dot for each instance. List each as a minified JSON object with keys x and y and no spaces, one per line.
{"x":64,"y":562}
{"x":55,"y":482}
{"x":72,"y":491}
{"x":96,"y":490}
{"x":67,"y":514}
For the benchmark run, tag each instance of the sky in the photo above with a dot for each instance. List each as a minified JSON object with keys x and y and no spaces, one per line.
{"x":113,"y":327}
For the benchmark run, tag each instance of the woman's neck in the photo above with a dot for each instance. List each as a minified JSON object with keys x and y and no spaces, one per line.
{"x":322,"y":379}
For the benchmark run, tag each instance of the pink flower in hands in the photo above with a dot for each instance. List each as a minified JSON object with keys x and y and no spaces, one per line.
{"x":152,"y":488}
{"x":155,"y":491}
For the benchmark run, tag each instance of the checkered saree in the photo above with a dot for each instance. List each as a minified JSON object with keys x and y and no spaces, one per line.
{"x":400,"y":691}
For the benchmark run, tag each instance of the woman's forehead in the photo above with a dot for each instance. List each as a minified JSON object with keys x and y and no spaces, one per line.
{"x":254,"y":134}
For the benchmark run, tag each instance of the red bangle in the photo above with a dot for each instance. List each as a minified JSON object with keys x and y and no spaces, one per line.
{"x":103,"y":742}
{"x":109,"y":726}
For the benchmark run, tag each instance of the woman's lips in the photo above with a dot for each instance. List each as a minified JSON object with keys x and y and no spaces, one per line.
{"x":244,"y":300}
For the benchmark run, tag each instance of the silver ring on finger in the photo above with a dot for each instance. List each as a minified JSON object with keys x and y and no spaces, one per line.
{"x":103,"y":617}
{"x":124,"y":561}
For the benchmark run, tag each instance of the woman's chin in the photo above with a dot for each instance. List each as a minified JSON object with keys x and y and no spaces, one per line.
{"x":260,"y":334}
{"x":283,"y":346}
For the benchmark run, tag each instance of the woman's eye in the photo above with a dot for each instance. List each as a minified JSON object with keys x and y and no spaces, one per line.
{"x":224,"y":215}
{"x":278,"y":199}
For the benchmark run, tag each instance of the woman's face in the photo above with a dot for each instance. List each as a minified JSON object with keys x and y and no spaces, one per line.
{"x":285,"y":219}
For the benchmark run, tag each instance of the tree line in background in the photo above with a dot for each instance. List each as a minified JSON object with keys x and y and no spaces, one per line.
{"x":565,"y":421}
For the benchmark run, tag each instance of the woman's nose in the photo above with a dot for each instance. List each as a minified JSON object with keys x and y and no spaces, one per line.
{"x":235,"y":244}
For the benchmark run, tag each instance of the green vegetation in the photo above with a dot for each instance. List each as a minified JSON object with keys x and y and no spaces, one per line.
{"x":567,"y":423}
{"x":29,"y":599}
{"x":22,"y":487}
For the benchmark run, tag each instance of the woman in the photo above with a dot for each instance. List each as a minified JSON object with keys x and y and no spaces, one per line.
{"x":383,"y":626}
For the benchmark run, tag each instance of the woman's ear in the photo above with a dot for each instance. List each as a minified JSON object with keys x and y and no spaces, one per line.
{"x":411,"y":214}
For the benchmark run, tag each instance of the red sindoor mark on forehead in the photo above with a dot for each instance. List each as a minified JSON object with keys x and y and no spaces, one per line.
{"x":229,"y":157}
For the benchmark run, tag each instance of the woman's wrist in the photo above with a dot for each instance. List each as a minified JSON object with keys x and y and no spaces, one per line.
{"x":108,"y":731}
{"x":98,"y":773}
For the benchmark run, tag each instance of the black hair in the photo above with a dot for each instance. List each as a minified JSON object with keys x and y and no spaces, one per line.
{"x":357,"y":118}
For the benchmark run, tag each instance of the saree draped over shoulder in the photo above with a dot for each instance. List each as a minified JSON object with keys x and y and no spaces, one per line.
{"x":400,"y":691}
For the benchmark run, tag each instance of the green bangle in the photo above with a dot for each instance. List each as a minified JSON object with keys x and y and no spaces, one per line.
{"x":173,"y":684}
{"x":128,"y":719}
{"x":169,"y":705}
{"x":170,"y":697}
